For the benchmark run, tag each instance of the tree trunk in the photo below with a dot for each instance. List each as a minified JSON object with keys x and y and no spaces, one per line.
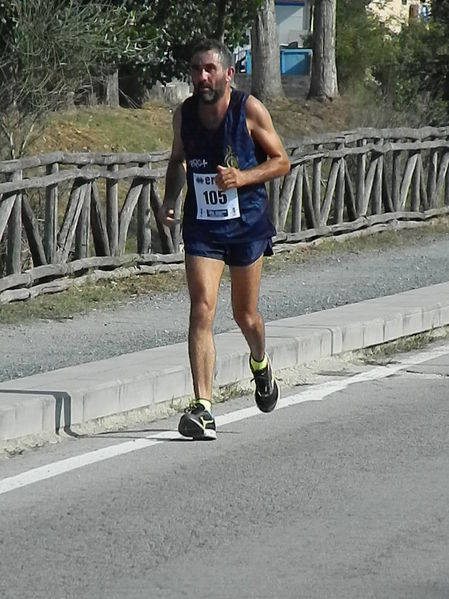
{"x":220,"y":26}
{"x":323,"y":83}
{"x":112,"y":89}
{"x":266,"y":81}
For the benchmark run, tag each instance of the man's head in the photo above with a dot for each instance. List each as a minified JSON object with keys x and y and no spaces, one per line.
{"x":212,"y":70}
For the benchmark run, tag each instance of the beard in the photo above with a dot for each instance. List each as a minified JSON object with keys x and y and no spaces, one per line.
{"x":208,"y":95}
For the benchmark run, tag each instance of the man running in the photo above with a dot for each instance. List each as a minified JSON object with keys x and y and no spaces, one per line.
{"x":226,"y":147}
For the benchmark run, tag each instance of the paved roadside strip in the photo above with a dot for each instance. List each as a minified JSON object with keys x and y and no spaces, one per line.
{"x":36,"y":408}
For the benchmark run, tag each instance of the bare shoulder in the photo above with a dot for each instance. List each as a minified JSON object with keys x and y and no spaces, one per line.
{"x":261,"y":128}
{"x":257,"y":115}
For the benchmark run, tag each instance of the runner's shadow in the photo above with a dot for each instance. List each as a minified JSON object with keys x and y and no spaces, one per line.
{"x":136,"y":431}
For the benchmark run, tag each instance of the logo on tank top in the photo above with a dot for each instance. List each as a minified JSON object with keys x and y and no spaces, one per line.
{"x":230,"y":159}
{"x":197,"y":163}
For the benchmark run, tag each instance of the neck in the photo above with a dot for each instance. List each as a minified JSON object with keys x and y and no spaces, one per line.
{"x":211,"y":115}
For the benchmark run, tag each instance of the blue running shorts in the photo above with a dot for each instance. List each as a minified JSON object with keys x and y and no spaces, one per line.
{"x":233,"y":254}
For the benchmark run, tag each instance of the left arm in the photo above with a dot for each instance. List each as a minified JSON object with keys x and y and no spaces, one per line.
{"x":261,"y":129}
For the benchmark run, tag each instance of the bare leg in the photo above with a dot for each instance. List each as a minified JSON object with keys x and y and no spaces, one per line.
{"x":203,"y":278}
{"x":245,"y":281}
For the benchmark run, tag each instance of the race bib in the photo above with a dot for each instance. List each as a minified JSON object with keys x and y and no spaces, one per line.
{"x":213,"y":203}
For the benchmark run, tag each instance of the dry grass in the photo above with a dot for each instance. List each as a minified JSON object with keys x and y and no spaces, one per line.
{"x":304,"y":118}
{"x":103,"y":129}
{"x":88,"y":297}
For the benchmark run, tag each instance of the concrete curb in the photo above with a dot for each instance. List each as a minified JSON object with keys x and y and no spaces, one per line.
{"x":40,"y":406}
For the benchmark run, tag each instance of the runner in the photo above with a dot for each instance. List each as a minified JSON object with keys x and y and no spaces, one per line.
{"x":226,"y":147}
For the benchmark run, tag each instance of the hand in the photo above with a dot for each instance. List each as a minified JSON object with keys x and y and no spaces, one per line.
{"x":166,"y":216}
{"x":229,"y":177}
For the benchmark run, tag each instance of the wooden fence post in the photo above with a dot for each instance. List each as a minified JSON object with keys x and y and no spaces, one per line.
{"x":396,"y":180}
{"x":99,"y":232}
{"x":297,"y":202}
{"x":71,"y":218}
{"x":446,"y":189}
{"x":274,"y":187}
{"x":376,"y":198}
{"x":51,"y":216}
{"x":339,"y":204}
{"x":112,"y":211}
{"x":14,"y":252}
{"x":360,"y":183}
{"x":432,"y":177}
{"x":316,"y":186}
{"x":83,"y":226}
{"x":168,"y":244}
{"x":415,"y":197}
{"x":285,"y":196}
{"x":143,"y":218}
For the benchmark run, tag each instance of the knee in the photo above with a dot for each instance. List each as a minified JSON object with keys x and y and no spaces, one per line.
{"x":246,"y":320}
{"x":201,"y":313}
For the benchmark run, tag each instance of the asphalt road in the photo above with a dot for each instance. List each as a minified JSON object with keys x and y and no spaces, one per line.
{"x":341,"y":495}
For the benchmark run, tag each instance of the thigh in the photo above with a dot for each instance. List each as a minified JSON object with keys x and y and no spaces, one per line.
{"x":245,"y":283}
{"x":203,"y":277}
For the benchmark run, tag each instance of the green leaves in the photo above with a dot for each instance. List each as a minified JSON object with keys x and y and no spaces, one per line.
{"x":180,"y":24}
{"x":409,"y":68}
{"x":362,"y":41}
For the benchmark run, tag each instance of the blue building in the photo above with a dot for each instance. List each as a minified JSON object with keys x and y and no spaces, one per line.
{"x":293,"y":19}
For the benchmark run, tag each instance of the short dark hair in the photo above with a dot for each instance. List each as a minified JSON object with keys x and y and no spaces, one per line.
{"x":211,"y":45}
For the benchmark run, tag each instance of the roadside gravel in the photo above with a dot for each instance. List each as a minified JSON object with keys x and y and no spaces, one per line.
{"x":325,"y":279}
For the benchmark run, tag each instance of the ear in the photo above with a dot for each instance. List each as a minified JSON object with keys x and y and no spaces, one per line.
{"x":230,"y":73}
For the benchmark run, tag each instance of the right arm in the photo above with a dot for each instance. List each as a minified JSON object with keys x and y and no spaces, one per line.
{"x":175,"y":177}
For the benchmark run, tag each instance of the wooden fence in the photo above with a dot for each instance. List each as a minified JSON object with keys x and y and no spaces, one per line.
{"x":64,"y":215}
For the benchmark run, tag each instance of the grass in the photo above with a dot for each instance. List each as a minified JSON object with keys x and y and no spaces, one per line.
{"x":304,"y":118}
{"x":88,"y":297}
{"x":388,"y":351}
{"x":103,"y":129}
{"x":148,"y":129}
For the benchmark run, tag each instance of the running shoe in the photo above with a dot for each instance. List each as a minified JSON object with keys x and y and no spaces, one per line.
{"x":198,"y":423}
{"x":267,"y":389}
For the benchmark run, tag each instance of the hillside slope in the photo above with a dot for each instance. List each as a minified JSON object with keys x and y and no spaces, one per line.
{"x":103,"y":129}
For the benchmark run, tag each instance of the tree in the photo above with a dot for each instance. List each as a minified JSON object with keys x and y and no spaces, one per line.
{"x":130,"y":41}
{"x":180,"y":24}
{"x":364,"y":43}
{"x":440,"y":12}
{"x":417,"y":79}
{"x":173,"y":29}
{"x":266,"y":83}
{"x":435,"y":60}
{"x":323,"y":83}
{"x":48,"y":49}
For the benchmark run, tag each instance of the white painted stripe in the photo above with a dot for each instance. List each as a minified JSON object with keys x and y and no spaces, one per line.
{"x":314,"y":393}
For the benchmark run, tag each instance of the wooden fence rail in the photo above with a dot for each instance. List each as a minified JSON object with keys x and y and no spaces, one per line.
{"x":65,"y":214}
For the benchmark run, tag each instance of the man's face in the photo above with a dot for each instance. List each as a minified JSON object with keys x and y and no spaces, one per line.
{"x":209,"y":77}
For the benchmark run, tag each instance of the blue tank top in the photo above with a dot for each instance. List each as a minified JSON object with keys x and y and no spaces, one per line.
{"x":205,"y":149}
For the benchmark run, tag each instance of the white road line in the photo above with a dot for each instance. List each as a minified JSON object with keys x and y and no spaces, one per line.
{"x":314,"y":393}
